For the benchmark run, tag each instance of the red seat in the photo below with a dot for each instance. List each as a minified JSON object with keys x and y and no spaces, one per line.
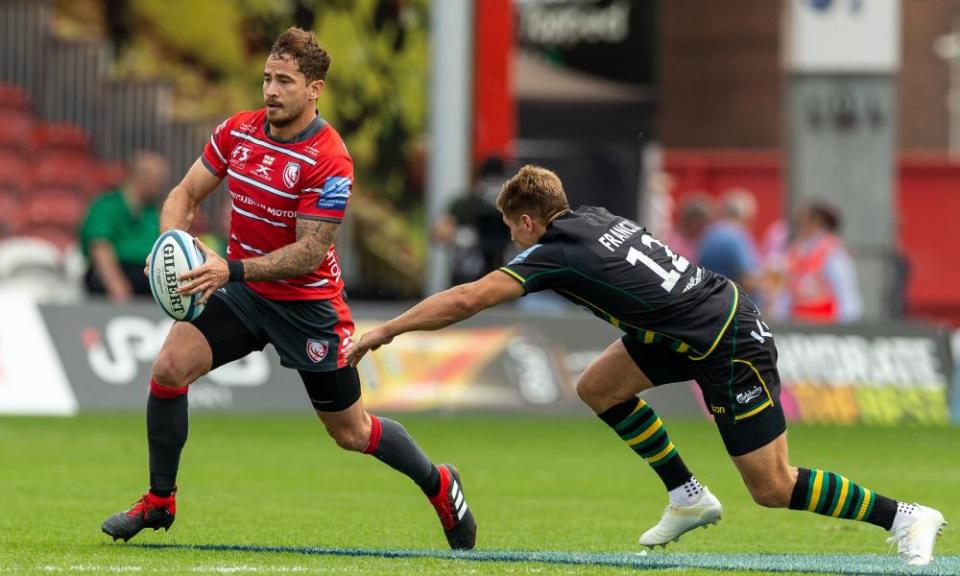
{"x":59,"y":236}
{"x":10,"y":214}
{"x":16,"y":128}
{"x":60,"y":136}
{"x":13,"y":97}
{"x":14,"y":171}
{"x":110,"y":175}
{"x":66,"y":170}
{"x":53,"y":207}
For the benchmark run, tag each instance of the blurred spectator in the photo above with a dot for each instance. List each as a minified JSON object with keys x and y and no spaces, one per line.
{"x":473,"y":226}
{"x":727,"y":247}
{"x":695,"y":214}
{"x":120,"y":228}
{"x":821,"y":279}
{"x":213,"y":229}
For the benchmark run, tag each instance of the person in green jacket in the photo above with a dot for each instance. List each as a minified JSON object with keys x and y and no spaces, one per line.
{"x":120,"y":228}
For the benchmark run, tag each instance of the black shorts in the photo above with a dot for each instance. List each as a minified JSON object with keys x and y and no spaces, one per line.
{"x":307,"y":335}
{"x":738,"y":378}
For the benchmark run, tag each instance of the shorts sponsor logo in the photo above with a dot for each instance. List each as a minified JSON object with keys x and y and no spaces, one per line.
{"x":291,"y":174}
{"x":317,"y":350}
{"x":762,"y":332}
{"x":752,"y":394}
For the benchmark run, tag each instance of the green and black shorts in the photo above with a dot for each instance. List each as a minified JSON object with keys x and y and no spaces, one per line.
{"x":738,"y":378}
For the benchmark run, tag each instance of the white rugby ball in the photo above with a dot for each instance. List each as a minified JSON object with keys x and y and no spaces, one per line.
{"x":173,"y":254}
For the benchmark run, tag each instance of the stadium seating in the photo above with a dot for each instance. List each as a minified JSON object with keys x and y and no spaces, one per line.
{"x":17,"y":131}
{"x":68,"y":170}
{"x":60,"y":136}
{"x":14,"y":173}
{"x":110,"y":175}
{"x":14,"y":98}
{"x":39,"y":268}
{"x":48,"y":173}
{"x":53,"y":214}
{"x":10,"y":219}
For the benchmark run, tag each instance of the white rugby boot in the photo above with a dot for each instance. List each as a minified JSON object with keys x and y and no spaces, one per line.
{"x":677,"y":520}
{"x":916,"y":534}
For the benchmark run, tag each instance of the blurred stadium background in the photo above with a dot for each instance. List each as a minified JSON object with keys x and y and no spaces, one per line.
{"x":639,"y":105}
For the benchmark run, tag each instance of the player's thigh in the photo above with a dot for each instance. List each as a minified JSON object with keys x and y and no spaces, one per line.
{"x":192,"y":349}
{"x":615,"y":376}
{"x":225,"y":329}
{"x":184,"y":357}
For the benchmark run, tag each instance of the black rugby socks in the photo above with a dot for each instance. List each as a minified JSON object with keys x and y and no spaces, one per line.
{"x":166,"y":434}
{"x":390,"y":443}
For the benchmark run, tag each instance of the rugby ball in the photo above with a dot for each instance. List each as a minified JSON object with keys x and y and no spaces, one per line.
{"x":173,"y":254}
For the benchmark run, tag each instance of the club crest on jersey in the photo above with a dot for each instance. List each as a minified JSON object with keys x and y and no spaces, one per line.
{"x":317,"y":350}
{"x":239,"y":156}
{"x":291,"y":174}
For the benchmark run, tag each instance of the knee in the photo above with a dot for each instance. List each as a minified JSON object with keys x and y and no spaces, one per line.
{"x":168,"y":372}
{"x":600,"y":397}
{"x":583,"y":390}
{"x":353,"y":438}
{"x":590,"y":394}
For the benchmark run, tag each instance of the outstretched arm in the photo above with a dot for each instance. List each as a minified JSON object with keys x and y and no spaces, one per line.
{"x":441,"y":310}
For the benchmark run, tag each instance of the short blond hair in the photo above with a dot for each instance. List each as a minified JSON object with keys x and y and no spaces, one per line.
{"x":534,"y":191}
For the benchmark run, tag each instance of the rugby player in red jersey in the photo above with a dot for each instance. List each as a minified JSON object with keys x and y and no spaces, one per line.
{"x":289,"y":177}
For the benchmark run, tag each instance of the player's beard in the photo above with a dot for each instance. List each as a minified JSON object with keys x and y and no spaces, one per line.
{"x":285,"y":116}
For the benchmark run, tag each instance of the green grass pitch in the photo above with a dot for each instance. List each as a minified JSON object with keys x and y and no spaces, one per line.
{"x":273,"y":495}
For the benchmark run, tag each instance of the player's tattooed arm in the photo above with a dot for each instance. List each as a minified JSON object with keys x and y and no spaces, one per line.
{"x":314,"y":238}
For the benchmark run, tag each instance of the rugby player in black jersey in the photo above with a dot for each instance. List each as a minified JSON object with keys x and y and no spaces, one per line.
{"x":680,"y":322}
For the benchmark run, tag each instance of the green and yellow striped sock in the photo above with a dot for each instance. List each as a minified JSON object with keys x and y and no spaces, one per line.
{"x":638,"y":425}
{"x":834,"y":495}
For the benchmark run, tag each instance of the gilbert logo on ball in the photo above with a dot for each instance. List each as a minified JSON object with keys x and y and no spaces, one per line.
{"x":173,"y":254}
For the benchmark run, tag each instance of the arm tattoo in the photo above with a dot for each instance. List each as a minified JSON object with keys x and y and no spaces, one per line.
{"x":314,"y":238}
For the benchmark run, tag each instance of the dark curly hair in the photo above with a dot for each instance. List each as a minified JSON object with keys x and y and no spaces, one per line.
{"x":302,"y":46}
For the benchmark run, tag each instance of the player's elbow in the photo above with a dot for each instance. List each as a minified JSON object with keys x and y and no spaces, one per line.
{"x":466,"y":302}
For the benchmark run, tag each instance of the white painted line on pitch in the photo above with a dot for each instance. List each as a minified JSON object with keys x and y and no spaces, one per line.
{"x":853,"y":564}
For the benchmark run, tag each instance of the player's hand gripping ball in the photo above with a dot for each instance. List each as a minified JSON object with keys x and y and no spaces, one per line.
{"x":173,"y":254}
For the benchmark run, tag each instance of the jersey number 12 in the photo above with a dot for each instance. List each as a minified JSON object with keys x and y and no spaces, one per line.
{"x":670,"y":277}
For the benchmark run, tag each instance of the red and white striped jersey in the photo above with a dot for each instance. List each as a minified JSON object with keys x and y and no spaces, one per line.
{"x":272,"y":183}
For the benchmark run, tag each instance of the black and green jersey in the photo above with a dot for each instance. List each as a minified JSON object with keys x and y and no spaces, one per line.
{"x":618,"y":271}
